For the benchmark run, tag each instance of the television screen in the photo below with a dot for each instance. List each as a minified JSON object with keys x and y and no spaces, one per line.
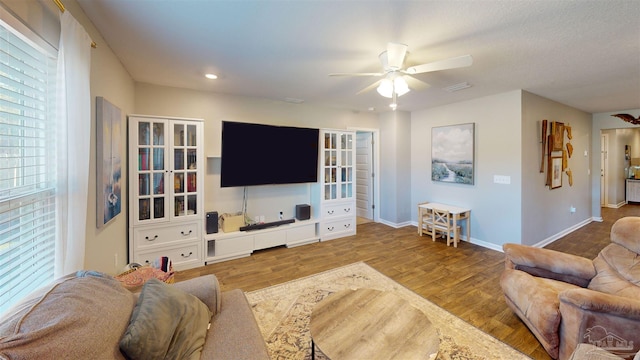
{"x":257,"y":154}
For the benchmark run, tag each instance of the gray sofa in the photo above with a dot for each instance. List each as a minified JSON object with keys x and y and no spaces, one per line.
{"x":90,"y":315}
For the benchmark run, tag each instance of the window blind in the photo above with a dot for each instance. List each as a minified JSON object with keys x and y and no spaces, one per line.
{"x":27,"y":167}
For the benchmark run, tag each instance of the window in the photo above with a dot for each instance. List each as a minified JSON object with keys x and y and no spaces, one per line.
{"x":27,"y":163}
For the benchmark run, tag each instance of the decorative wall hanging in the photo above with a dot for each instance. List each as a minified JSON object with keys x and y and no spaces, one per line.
{"x":452,"y":153}
{"x":628,"y":118}
{"x":556,"y":153}
{"x":555,"y":169}
{"x":109,"y":161}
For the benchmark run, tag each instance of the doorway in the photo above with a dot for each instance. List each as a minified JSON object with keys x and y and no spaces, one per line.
{"x":604,"y":145}
{"x":367,"y":185}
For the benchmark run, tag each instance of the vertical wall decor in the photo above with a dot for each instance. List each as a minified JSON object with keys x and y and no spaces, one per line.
{"x":109,"y":161}
{"x":556,"y":153}
{"x":452,"y":153}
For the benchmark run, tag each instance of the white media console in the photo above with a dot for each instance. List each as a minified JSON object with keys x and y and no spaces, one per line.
{"x":226,"y":246}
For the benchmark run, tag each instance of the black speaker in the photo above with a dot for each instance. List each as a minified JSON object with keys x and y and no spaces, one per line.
{"x":212,"y":222}
{"x":303,"y":212}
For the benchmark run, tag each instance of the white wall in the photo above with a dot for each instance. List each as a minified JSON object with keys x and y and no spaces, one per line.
{"x":604,"y":121}
{"x":262,"y":200}
{"x":545,"y":212}
{"x":395,"y":168}
{"x":495,"y":208}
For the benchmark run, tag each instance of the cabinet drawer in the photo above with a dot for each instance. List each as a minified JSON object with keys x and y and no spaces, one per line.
{"x":146,"y":237}
{"x":341,"y":209}
{"x":269,"y":239}
{"x":344,"y":227}
{"x":301,"y":233}
{"x":182,"y":257}
{"x":243,"y":244}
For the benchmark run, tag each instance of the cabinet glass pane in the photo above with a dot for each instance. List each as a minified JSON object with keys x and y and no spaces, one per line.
{"x":192,"y":204}
{"x":346,"y":191}
{"x":178,"y":135}
{"x":143,"y":133}
{"x":346,"y":140}
{"x":143,"y":184}
{"x":158,"y":208}
{"x":330,"y":192}
{"x":178,"y":183}
{"x":191,"y":182}
{"x":158,"y":183}
{"x":143,"y":159}
{"x":144,"y":211}
{"x":191,"y":135}
{"x":346,"y":174}
{"x":333,"y":175}
{"x":178,"y":159}
{"x":158,"y":134}
{"x":179,"y":206}
{"x":158,"y":159}
{"x":191,"y":159}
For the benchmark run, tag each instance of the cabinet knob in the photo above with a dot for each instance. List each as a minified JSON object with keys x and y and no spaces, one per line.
{"x":151,"y":239}
{"x":185,"y":256}
{"x":330,"y":212}
{"x":330,"y":228}
{"x":347,"y":225}
{"x":347,"y":210}
{"x":189,"y":233}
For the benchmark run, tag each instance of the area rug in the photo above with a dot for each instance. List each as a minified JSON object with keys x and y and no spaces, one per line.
{"x":283,"y":312}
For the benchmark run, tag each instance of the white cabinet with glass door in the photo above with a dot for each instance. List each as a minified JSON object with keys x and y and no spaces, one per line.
{"x":337,"y":184}
{"x":166,"y":173}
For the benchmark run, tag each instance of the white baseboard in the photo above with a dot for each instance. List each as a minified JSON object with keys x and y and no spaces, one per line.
{"x":562,"y":233}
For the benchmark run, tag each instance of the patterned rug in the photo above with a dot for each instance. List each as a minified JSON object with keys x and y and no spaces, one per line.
{"x":283,"y":313}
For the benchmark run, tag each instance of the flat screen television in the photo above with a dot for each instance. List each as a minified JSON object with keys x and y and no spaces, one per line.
{"x":257,"y":154}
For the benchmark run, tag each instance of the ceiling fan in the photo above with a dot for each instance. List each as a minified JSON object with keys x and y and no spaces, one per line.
{"x":397,"y":80}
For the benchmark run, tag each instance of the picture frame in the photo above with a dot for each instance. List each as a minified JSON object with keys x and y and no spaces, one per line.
{"x":453,"y":153}
{"x":555,"y":169}
{"x":108,"y":162}
{"x":557,"y":132}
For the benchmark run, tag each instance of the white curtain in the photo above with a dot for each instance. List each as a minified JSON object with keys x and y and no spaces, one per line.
{"x":74,"y":115}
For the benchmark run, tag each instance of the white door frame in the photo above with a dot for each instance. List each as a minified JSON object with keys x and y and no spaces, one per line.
{"x":604,"y":169}
{"x":376,"y":169}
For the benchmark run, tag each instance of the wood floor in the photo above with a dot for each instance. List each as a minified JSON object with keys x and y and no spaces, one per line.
{"x":464,"y":281}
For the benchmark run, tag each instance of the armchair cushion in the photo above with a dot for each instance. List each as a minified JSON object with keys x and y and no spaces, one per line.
{"x":625,"y":232}
{"x":535,"y":300}
{"x":618,"y":272}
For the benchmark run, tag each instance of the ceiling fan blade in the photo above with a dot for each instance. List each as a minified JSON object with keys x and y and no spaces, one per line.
{"x":356,"y":74}
{"x":370,"y":87}
{"x":395,"y":55}
{"x":415,"y":84}
{"x":452,"y":63}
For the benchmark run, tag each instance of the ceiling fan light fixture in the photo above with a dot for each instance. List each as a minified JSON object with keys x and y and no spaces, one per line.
{"x":400,"y":85}
{"x":385,"y":88}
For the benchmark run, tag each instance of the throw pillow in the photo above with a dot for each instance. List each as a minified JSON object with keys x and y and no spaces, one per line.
{"x":166,"y":323}
{"x":80,"y":316}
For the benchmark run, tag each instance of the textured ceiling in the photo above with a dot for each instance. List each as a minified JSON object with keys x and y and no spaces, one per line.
{"x":585,"y":54}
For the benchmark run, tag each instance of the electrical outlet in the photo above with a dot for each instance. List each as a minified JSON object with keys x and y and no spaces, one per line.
{"x":281,"y":215}
{"x":572,"y":209}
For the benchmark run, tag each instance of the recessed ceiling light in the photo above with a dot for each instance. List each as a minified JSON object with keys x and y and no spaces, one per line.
{"x":211,"y":76}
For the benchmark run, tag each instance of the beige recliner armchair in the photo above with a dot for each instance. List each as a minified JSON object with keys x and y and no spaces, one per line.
{"x":566,"y":300}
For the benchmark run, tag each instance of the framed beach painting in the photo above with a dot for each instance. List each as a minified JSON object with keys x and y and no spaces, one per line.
{"x":452,"y":153}
{"x":109,"y":161}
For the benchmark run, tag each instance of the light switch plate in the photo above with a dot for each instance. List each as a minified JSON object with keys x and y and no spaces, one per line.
{"x":502,"y":179}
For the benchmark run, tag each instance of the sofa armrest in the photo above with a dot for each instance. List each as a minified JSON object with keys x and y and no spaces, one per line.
{"x":588,"y":315}
{"x":206,"y":288}
{"x":599,"y":302}
{"x":549,"y":264}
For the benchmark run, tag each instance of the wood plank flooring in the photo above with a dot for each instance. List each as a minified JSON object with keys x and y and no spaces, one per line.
{"x":464,"y":281}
